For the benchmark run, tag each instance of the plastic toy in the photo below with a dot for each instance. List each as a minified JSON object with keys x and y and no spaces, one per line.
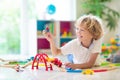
{"x":101,"y":70}
{"x":88,"y":72}
{"x":17,"y":68}
{"x":64,"y":34}
{"x":47,"y":28}
{"x":39,"y":60}
{"x":70,"y":58}
{"x":113,"y":41}
{"x":43,"y":58}
{"x":56,"y":62}
{"x":73,"y":71}
{"x":51,"y":9}
{"x":105,"y":69}
{"x":27,"y":64}
{"x":111,"y":48}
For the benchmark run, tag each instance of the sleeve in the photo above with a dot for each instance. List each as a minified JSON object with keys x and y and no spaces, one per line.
{"x":68,"y":48}
{"x":97,"y":46}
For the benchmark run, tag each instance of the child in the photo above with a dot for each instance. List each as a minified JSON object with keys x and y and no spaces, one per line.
{"x":86,"y":47}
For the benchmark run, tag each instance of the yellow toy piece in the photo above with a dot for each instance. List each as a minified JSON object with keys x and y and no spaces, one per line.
{"x":113,"y":41}
{"x":50,"y":59}
{"x":64,"y":34}
{"x":40,"y":64}
{"x":88,"y":72}
{"x":112,"y":65}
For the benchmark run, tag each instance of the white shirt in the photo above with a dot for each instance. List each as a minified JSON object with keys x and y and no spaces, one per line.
{"x":80,"y":53}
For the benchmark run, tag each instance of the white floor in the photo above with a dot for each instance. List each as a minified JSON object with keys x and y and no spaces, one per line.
{"x":41,"y":74}
{"x":28,"y":74}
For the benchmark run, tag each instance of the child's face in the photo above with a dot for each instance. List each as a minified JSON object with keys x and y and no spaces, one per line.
{"x":82,"y":33}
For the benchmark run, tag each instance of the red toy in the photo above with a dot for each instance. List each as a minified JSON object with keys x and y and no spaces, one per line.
{"x":102,"y":70}
{"x":43,"y":58}
{"x":17,"y":67}
{"x":57,"y":62}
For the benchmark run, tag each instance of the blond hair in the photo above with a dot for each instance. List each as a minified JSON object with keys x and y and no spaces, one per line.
{"x":93,"y":24}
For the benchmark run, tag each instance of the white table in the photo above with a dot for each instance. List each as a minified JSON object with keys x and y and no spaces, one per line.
{"x":28,"y":74}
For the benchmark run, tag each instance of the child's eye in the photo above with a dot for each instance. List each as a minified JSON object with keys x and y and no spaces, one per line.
{"x":77,"y":29}
{"x":81,"y":30}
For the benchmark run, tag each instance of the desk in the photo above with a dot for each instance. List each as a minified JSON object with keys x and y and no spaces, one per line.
{"x":28,"y":74}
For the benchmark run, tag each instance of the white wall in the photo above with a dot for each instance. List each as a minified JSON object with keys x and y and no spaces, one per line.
{"x":65,"y":9}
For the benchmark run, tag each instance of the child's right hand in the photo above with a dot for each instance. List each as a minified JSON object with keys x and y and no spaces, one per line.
{"x":48,"y":36}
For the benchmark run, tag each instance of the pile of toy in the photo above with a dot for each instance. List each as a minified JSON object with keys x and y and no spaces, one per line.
{"x":111,"y":50}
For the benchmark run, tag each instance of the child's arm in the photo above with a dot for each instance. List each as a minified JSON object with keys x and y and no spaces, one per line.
{"x":49,"y":37}
{"x":88,"y":64}
{"x":54,"y":49}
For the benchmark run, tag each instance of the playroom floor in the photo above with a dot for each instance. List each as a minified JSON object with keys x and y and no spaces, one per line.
{"x":28,"y":74}
{"x":41,"y":74}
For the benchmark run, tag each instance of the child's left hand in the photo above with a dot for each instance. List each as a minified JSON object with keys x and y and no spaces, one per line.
{"x":70,"y":65}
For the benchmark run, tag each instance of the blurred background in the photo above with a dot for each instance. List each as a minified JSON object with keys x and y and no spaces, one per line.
{"x":22,"y":23}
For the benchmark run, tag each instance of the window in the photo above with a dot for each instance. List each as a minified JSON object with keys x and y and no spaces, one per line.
{"x":15,"y":32}
{"x":18,"y":24}
{"x":9,"y":27}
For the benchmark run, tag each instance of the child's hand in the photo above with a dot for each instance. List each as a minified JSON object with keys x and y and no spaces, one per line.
{"x":48,"y":35}
{"x":70,"y":65}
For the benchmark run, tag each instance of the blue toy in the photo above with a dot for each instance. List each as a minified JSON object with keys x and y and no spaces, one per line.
{"x":70,"y":58}
{"x":51,"y":9}
{"x":73,"y":71}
